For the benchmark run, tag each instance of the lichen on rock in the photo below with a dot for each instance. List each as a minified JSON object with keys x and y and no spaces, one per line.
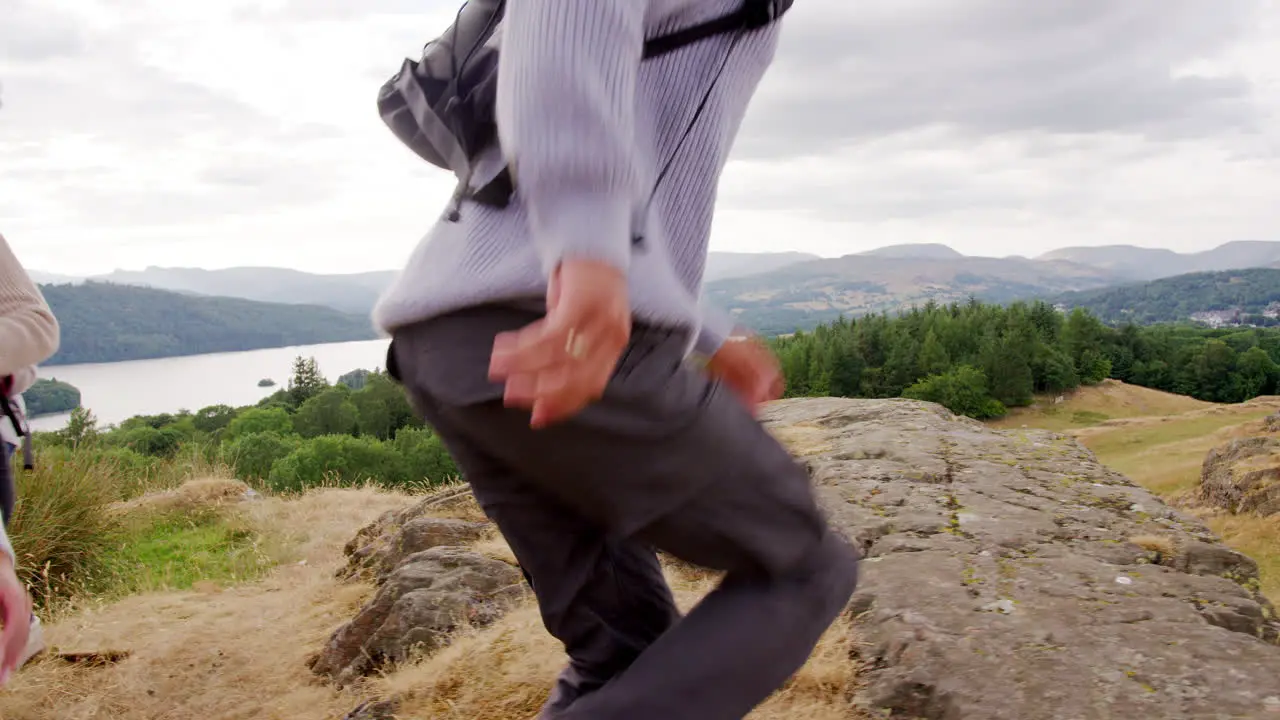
{"x":1009,"y":575}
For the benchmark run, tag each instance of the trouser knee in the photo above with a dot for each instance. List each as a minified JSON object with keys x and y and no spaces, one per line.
{"x":832,"y":569}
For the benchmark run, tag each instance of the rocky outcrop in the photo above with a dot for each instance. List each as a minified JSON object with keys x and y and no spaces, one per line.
{"x":1010,"y":576}
{"x":1243,"y":475}
{"x":1006,"y":576}
{"x":429,"y":585}
{"x":419,"y":605}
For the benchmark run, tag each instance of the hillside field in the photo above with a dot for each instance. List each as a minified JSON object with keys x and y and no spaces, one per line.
{"x":1159,"y":441}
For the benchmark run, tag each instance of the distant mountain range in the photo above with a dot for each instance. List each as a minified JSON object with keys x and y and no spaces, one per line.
{"x":355,"y":293}
{"x":805,"y":294}
{"x":1137,"y":263}
{"x":777,"y":292}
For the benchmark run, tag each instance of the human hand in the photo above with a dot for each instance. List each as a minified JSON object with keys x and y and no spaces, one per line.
{"x":15,"y":609}
{"x":750,"y":368}
{"x":562,"y":362}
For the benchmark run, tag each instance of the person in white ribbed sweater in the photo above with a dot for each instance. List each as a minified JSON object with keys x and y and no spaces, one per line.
{"x":29,"y":334}
{"x":546,"y":343}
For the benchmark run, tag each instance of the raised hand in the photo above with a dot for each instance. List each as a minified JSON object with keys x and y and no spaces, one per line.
{"x":750,"y":369}
{"x":558,"y":365}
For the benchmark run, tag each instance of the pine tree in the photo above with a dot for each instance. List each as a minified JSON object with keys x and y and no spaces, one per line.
{"x":934,"y":359}
{"x":306,"y":380}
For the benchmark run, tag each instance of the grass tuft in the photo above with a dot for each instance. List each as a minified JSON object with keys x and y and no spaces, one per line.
{"x":62,"y":531}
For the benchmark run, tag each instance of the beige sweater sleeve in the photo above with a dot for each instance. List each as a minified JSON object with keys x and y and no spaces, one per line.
{"x":29,"y":333}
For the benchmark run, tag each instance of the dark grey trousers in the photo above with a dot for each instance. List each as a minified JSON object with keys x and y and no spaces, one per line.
{"x":8,"y":487}
{"x":666,"y":460}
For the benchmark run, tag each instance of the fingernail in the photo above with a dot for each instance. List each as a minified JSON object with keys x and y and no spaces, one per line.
{"x":4,"y":676}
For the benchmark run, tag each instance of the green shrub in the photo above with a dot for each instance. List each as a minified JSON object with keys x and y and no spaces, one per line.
{"x":962,"y":390}
{"x":425,"y":456}
{"x":328,"y":412}
{"x":259,"y":420}
{"x":337,"y":459}
{"x":253,"y":455}
{"x":161,"y":442}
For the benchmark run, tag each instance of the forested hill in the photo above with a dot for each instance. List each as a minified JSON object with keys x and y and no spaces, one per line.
{"x":1178,"y":298}
{"x":980,"y":359}
{"x":104,"y":322}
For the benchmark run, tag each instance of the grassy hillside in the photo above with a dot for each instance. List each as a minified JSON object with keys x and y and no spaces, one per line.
{"x":1178,"y":298}
{"x":102,"y":322}
{"x":1090,"y":405}
{"x":803,"y":295}
{"x":1160,"y":441}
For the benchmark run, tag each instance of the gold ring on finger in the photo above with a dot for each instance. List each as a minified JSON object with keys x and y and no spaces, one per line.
{"x":574,"y":345}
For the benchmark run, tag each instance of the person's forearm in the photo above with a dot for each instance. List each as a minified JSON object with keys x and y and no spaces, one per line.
{"x":6,"y":547}
{"x":566,"y":89}
{"x":29,"y":333}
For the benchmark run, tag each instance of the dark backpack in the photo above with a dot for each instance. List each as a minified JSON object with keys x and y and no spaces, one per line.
{"x":442,"y":106}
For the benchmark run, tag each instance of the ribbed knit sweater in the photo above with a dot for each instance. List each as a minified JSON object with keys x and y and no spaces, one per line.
{"x":29,"y":333}
{"x":587,"y":127}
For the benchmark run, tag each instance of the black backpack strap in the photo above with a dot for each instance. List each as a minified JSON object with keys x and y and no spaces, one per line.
{"x":7,"y":410}
{"x":753,"y":15}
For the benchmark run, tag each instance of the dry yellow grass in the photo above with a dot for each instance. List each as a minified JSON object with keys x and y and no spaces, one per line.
{"x":503,"y":672}
{"x":1110,"y":399}
{"x":189,"y":495}
{"x":240,"y":652}
{"x":1162,"y":544}
{"x":1164,"y":454}
{"x":803,"y":439}
{"x":1257,"y":537}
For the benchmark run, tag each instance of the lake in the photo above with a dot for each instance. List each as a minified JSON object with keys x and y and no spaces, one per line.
{"x":118,"y":391}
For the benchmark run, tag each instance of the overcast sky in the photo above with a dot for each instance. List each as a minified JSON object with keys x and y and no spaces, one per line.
{"x":244,"y":132}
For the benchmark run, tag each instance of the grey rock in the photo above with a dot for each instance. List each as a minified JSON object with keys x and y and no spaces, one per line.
{"x":374,"y":710}
{"x":955,"y":519}
{"x":419,"y":606}
{"x":381,"y":546}
{"x":1243,"y":475}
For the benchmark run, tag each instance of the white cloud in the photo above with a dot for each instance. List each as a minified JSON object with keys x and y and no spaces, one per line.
{"x":244,"y":132}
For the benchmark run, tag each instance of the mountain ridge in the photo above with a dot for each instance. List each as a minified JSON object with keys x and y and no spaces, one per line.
{"x":107,"y":322}
{"x":780,"y":291}
{"x":1143,"y":263}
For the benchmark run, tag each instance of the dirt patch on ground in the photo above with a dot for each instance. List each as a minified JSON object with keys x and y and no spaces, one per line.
{"x":229,"y":653}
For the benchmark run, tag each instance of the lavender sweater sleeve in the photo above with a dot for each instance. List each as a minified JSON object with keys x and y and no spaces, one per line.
{"x":566,"y":121}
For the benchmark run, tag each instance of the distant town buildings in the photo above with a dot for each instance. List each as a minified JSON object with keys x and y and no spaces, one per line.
{"x":1218,"y":318}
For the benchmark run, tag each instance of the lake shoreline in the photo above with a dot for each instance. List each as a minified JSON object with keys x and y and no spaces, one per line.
{"x":55,"y":361}
{"x":118,"y":390}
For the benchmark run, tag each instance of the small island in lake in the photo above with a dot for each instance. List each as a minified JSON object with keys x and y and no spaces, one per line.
{"x":51,"y":397}
{"x":266,"y":382}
